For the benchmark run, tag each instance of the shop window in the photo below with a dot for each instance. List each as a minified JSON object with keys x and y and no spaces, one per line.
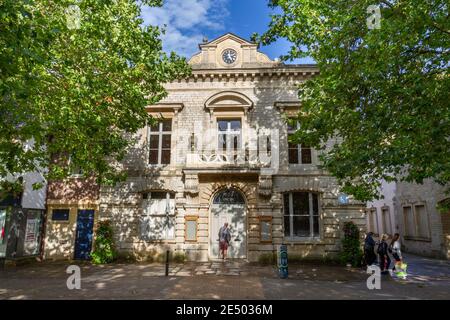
{"x":60,"y":214}
{"x":32,"y":239}
{"x":301,"y":215}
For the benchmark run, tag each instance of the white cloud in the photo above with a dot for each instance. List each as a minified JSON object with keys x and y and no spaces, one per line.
{"x":183,"y":21}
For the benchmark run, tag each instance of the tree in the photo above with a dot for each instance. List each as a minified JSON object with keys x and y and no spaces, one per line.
{"x":382,"y":93}
{"x":75,"y":77}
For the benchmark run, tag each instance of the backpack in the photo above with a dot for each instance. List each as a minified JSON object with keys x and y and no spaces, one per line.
{"x":390,"y":249}
{"x":382,"y":249}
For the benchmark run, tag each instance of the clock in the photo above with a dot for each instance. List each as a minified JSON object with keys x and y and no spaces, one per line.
{"x":229,"y":56}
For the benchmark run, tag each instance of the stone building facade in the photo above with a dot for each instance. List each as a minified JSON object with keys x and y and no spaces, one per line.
{"x":72,"y":214}
{"x":220,"y":153}
{"x":424,"y":229}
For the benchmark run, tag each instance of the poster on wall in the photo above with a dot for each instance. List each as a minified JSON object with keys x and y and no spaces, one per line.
{"x":2,"y":233}
{"x":32,"y":233}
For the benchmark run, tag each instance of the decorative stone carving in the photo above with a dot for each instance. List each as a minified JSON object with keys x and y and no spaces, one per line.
{"x":265,"y":185}
{"x":191,"y":183}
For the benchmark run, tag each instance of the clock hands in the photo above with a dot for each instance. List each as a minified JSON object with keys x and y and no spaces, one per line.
{"x":229,"y":56}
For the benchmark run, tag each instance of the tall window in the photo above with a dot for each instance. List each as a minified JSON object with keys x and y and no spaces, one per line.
{"x":409,"y":221}
{"x":301,"y":215}
{"x":372,"y":220}
{"x":423,"y":230}
{"x":229,"y":134}
{"x":298,"y":154}
{"x":160,"y":141}
{"x":158,"y":220}
{"x":386,"y":218}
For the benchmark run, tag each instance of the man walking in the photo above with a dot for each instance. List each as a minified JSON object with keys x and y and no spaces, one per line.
{"x":369,"y":249}
{"x":224,"y":240}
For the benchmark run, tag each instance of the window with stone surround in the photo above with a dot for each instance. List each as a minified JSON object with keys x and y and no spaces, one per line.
{"x":158,"y":216}
{"x":386,"y":219}
{"x":297,"y":153}
{"x":421,"y":215}
{"x":301,"y":215}
{"x":416,"y":221}
{"x":410,"y":230}
{"x":372,"y":221}
{"x":229,"y":133}
{"x":160,"y":135}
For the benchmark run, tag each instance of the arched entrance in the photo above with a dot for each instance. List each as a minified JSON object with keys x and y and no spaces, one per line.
{"x":228,"y":205}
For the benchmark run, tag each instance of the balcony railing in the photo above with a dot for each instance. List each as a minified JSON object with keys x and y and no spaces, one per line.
{"x":219,"y":159}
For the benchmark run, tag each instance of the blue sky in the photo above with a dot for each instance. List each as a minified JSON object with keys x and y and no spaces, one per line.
{"x":188,"y":21}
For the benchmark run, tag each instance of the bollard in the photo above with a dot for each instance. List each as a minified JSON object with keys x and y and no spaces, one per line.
{"x":283,"y":262}
{"x":167,"y":263}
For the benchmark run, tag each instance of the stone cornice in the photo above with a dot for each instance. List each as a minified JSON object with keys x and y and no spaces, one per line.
{"x":165,"y":107}
{"x":293,"y":71}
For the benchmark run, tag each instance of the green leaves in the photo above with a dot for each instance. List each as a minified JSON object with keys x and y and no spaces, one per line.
{"x":382,"y":94}
{"x":104,"y":249}
{"x":77,"y":91}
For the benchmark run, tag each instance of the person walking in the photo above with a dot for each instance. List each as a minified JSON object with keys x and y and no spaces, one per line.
{"x":369,"y":249}
{"x":395,"y":250}
{"x":383,"y":254}
{"x":399,"y":267}
{"x":224,"y":240}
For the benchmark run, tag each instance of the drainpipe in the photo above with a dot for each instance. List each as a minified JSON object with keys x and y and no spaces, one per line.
{"x":44,"y":224}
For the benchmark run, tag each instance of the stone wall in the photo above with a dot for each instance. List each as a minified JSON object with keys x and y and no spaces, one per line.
{"x":428,"y":194}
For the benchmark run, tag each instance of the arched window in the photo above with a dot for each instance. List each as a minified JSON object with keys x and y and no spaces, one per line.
{"x":229,"y":196}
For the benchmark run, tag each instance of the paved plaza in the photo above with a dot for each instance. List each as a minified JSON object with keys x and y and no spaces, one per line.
{"x":428,"y":279}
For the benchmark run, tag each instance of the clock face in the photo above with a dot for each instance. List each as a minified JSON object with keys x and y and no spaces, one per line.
{"x":229,"y":56}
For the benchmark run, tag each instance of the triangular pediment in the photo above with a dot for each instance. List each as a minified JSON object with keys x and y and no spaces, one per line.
{"x":245,"y":54}
{"x":225,"y":37}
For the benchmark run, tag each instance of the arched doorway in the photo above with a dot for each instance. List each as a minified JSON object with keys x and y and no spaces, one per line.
{"x":228,"y":205}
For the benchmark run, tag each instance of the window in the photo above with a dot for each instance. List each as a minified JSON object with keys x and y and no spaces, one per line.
{"x":160,"y":142}
{"x":191,"y":227}
{"x":229,"y":196}
{"x":158,"y":219}
{"x":386,"y":218}
{"x":409,"y":222}
{"x":372,"y":220}
{"x":298,"y":154}
{"x":301,"y":215}
{"x":60,"y":214}
{"x":229,"y":134}
{"x":265,"y":229}
{"x":422,"y":222}
{"x":75,"y":171}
